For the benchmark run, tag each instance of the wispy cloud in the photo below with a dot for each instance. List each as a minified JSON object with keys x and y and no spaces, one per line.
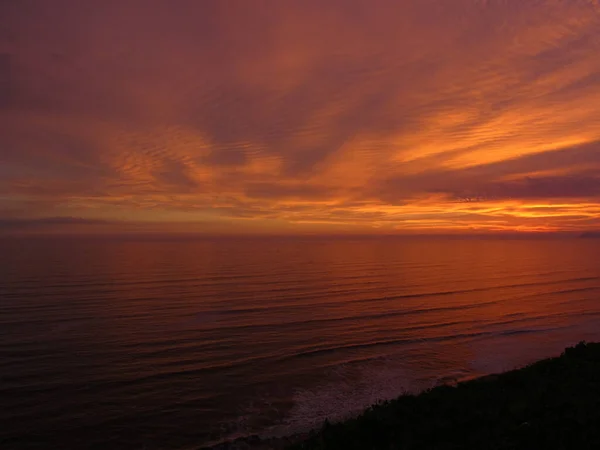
{"x":338,"y":115}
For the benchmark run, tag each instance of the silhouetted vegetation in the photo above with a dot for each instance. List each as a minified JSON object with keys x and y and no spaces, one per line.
{"x":551,"y":404}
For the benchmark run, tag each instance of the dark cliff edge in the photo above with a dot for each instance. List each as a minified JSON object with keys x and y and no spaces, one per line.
{"x":551,"y":404}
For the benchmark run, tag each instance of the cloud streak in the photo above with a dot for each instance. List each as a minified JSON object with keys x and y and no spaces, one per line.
{"x":282,"y":117}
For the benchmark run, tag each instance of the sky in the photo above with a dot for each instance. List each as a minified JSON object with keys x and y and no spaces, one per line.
{"x":275,"y":117}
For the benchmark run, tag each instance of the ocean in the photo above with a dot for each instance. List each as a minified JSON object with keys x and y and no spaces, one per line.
{"x":176,"y":343}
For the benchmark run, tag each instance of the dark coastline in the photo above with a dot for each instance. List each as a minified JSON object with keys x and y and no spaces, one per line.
{"x":551,"y":404}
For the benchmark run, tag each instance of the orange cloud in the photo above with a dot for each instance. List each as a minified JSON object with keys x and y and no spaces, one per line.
{"x":342,"y":117}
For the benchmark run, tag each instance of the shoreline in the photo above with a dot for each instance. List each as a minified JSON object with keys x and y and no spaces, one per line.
{"x":551,"y":403}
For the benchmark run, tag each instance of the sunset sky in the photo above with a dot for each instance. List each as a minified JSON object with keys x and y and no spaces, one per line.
{"x":332,"y":116}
